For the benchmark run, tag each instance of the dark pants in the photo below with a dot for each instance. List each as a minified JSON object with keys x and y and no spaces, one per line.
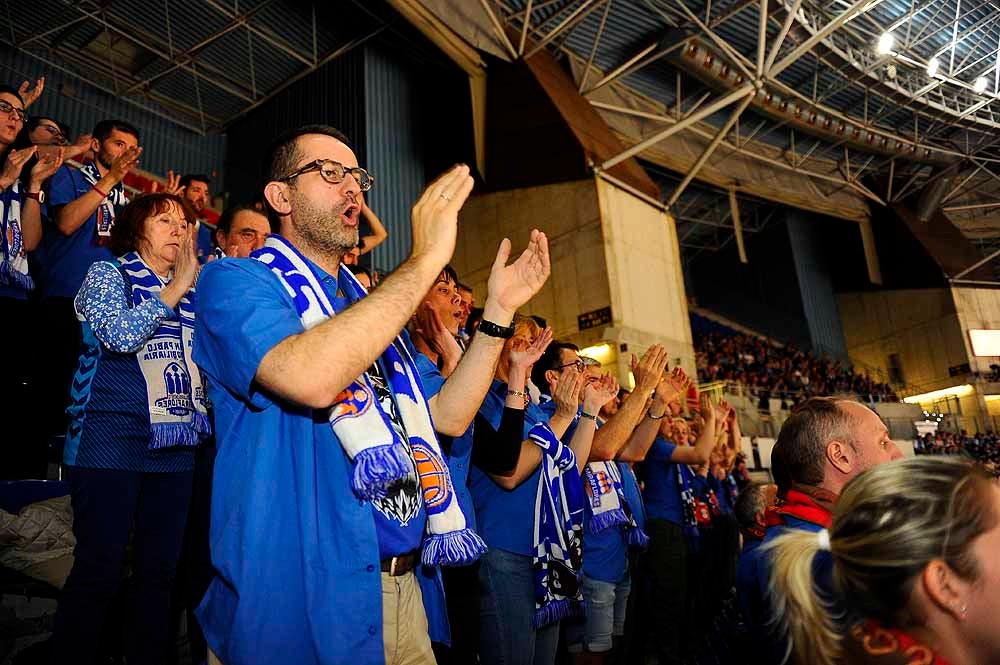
{"x":196,"y":570}
{"x":631,"y":648}
{"x":666,"y":571}
{"x":62,"y":337}
{"x":22,"y":446}
{"x":461,"y":588}
{"x":106,"y":505}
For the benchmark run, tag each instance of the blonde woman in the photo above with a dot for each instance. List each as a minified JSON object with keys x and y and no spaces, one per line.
{"x":915,"y":557}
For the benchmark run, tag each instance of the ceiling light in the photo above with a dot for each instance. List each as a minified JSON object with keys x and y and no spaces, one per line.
{"x":980,"y":85}
{"x":932,"y":66}
{"x":885,"y":43}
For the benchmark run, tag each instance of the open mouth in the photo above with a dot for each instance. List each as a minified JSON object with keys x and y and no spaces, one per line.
{"x":351,"y":215}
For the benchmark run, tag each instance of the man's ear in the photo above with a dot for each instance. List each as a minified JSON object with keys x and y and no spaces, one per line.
{"x":551,"y":376}
{"x":95,"y":145}
{"x":841,"y":456}
{"x":945,"y":589}
{"x":276,"y":194}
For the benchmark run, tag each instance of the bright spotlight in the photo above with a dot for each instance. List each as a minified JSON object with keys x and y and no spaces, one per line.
{"x":980,"y":85}
{"x":932,"y":66}
{"x":885,"y":43}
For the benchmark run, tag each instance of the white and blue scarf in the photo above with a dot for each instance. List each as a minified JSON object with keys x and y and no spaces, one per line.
{"x":363,"y":427}
{"x":608,"y":505}
{"x":116,"y":198}
{"x":558,"y":531}
{"x":178,"y":414}
{"x":14,"y":261}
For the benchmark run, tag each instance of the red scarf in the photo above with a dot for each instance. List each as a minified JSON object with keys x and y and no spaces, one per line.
{"x":873,"y":644}
{"x":809,"y":504}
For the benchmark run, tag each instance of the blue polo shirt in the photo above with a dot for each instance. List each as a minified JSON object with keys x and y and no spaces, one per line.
{"x":460,"y":456}
{"x":67,"y":258}
{"x":506,"y":518}
{"x":662,"y":495}
{"x":296,"y":553}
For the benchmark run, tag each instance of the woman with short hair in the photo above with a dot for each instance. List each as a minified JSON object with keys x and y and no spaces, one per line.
{"x":137,"y":411}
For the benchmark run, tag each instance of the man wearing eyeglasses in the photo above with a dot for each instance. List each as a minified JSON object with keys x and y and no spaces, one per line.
{"x":308,"y":572}
{"x":241,"y":230}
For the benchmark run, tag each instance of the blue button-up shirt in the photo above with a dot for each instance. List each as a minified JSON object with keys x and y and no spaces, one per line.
{"x":295,"y":551}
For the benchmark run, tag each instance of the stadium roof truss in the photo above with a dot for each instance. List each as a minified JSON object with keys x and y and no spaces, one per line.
{"x":881,"y":97}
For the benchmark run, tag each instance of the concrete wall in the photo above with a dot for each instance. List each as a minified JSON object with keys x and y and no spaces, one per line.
{"x":608,"y":249}
{"x":921,"y":325}
{"x":978,"y":309}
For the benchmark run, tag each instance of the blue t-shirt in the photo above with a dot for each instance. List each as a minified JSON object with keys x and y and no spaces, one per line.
{"x":292,"y":546}
{"x":605,"y":553}
{"x":67,"y":258}
{"x":205,"y":233}
{"x":506,"y":518}
{"x":460,"y":455}
{"x":662,"y":496}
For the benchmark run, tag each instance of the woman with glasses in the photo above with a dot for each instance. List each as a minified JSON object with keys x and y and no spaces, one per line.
{"x":137,"y":412}
{"x":21,"y":199}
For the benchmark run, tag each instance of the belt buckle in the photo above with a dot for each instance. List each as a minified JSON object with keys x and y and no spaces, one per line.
{"x":392,"y":566}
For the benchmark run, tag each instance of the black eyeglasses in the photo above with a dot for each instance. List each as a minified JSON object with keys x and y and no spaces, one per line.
{"x":335,"y":172}
{"x":578,"y":363}
{"x":7,"y":107}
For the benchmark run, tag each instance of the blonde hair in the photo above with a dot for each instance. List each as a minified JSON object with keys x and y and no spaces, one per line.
{"x":522,"y":325}
{"x":888,"y":524}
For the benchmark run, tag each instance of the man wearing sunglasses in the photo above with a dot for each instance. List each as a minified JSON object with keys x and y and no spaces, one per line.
{"x":308,"y":571}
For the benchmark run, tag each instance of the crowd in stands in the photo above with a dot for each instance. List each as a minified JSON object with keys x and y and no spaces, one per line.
{"x":984,"y":448}
{"x":768,"y":369}
{"x":314,"y":465}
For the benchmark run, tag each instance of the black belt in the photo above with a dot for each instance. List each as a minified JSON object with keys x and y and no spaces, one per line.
{"x":402,"y":564}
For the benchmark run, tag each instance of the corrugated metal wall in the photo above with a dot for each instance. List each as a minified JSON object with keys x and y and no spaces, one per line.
{"x":816,"y":285}
{"x":395,"y":150}
{"x":332,"y":95}
{"x":165,"y":145}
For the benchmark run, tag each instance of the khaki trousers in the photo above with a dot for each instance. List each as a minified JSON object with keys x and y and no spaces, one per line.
{"x":404,"y":623}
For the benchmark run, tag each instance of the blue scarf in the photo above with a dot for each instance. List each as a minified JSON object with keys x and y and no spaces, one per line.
{"x":115,"y":200}
{"x":698,"y":513}
{"x":558,"y":531}
{"x":13,"y":261}
{"x":379,"y":453}
{"x":608,"y":504}
{"x":178,"y":414}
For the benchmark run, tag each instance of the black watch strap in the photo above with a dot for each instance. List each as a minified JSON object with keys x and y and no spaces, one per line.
{"x":493,"y":330}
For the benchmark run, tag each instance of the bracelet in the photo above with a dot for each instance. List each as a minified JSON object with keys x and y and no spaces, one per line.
{"x":98,"y":190}
{"x":650,"y":415}
{"x":588,"y":416}
{"x":518,"y":393}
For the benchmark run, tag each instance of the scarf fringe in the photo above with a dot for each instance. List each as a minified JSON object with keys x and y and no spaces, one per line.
{"x":557,"y":610}
{"x":455,"y":548}
{"x":636,"y":537}
{"x":601,"y":521}
{"x":171,"y":435}
{"x":14,"y":278}
{"x":378,"y":467}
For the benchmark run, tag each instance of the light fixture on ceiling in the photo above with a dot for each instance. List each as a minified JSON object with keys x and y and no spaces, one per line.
{"x":885,"y":43}
{"x":932,"y":66}
{"x":980,"y":85}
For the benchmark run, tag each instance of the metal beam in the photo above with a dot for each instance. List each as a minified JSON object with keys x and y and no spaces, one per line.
{"x":734,"y":208}
{"x":568,"y":23}
{"x":593,"y":50}
{"x":857,"y":8}
{"x":975,"y":265}
{"x":744,"y":92}
{"x":761,"y":38}
{"x":266,"y":34}
{"x":499,"y":28}
{"x":709,"y":149}
{"x":780,"y":39}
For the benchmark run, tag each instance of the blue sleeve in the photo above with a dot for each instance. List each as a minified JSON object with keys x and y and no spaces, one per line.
{"x":104,"y":301}
{"x":430,"y":376}
{"x":242,"y":313}
{"x":62,"y":187}
{"x":661,"y":451}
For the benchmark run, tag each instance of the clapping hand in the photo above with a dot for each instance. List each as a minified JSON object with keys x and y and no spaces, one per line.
{"x":125,"y":162}
{"x":598,"y":393}
{"x":12,"y":167}
{"x":672,"y":385}
{"x":523,"y":355}
{"x":434,"y":217}
{"x":47,"y":164}
{"x":567,"y":392}
{"x":649,"y":370}
{"x":30,"y":95}
{"x":510,"y":286}
{"x":186,"y":267}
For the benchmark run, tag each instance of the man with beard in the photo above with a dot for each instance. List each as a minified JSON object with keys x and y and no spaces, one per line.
{"x":328,"y":469}
{"x":193,"y":188}
{"x":82,"y":206}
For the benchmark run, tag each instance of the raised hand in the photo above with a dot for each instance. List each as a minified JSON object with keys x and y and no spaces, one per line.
{"x":434,"y":216}
{"x":672,"y":385}
{"x":186,"y":266}
{"x":510,"y":286}
{"x":523,"y":355}
{"x":125,"y":162}
{"x":599,"y":393}
{"x":648,"y":371}
{"x":707,"y":409}
{"x":567,"y":392}
{"x":30,"y":95}
{"x":12,"y":167}
{"x":78,"y":147}
{"x":47,"y":164}
{"x":173,"y":184}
